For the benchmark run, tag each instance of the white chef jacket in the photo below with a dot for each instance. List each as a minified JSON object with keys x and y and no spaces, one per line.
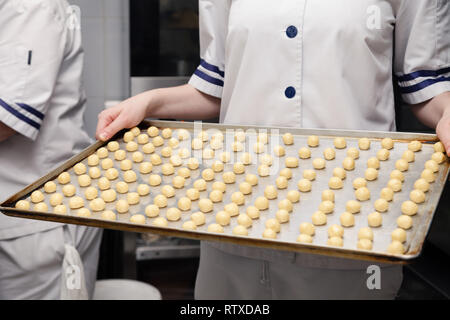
{"x":41,"y":97}
{"x":320,"y":63}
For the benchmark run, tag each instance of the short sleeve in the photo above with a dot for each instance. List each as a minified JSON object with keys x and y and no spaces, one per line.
{"x":209,"y":77}
{"x":422,"y":49}
{"x":32,"y":48}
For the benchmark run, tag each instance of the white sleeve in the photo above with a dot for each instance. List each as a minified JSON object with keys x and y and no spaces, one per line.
{"x":31,"y":52}
{"x":210,"y":75}
{"x":422,"y":49}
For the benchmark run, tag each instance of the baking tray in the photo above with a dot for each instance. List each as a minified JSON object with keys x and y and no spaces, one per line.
{"x":302,"y":211}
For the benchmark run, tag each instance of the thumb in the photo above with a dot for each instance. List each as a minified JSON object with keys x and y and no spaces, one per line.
{"x":443,"y":132}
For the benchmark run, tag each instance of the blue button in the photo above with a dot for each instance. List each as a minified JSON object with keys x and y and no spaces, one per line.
{"x":290,"y":92}
{"x":291,"y":31}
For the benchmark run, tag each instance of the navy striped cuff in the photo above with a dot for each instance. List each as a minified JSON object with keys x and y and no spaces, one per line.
{"x":34,"y":123}
{"x":419,"y":80}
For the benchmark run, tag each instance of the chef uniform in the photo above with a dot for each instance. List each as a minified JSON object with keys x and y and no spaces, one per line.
{"x":41,"y":98}
{"x":313,"y":64}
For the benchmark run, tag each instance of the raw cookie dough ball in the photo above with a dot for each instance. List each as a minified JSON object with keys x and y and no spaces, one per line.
{"x":240,"y":230}
{"x":94,"y":172}
{"x":319,"y":218}
{"x":142,"y":138}
{"x":229,"y":177}
{"x":137,"y":218}
{"x":60,"y":209}
{"x":381,"y":205}
{"x":347,"y":219}
{"x":193,"y":163}
{"x":396,"y":247}
{"x":387,"y":194}
{"x":395,"y":185}
{"x":273,"y":224}
{"x":270,"y":192}
{"x":262,"y":203}
{"x":238,"y":198}
{"x":288,"y":139}
{"x":398,"y":235}
{"x":208,"y":154}
{"x":97,"y":205}
{"x":173,"y":214}
{"x":383,"y":154}
{"x":135,"y":131}
{"x":340,"y":173}
{"x":293,"y":196}
{"x":353,"y":153}
{"x":238,"y":168}
{"x":371,"y":174}
{"x":326,"y":207}
{"x":120,"y":155}
{"x":340,"y":143}
{"x":415,"y":146}
{"x":307,"y":228}
{"x":64,"y":178}
{"x":335,"y":230}
{"x":37,"y":196}
{"x":387,"y":143}
{"x":174,"y":143}
{"x":217,"y":166}
{"x":257,"y":147}
{"x":269,"y":234}
{"x":200,"y":185}
{"x":304,"y":185}
{"x":362,"y":194}
{"x":152,"y":211}
{"x":239,"y":136}
{"x":353,"y":206}
{"x":122,"y":187}
{"x":328,"y":195}
{"x":348,"y":164}
{"x":160,"y":200}
{"x":93,"y":160}
{"x":397,"y":174}
{"x":129,"y":176}
{"x":157,"y":142}
{"x":417,"y":196}
{"x":335,"y":242}
{"x":166,"y":133}
{"x":439,"y":157}
{"x":373,"y":163}
{"x":90,"y":193}
{"x":50,"y":187}
{"x":304,"y":238}
{"x":404,"y":222}
{"x":364,"y":244}
{"x":216,"y":144}
{"x":304,"y":153}
{"x":245,"y":188}
{"x":137,"y":157}
{"x":281,"y":182}
{"x":428,"y":175}
{"x":402,"y":165}
{"x":153,"y":131}
{"x":131,"y":146}
{"x":245,"y":220}
{"x":22,"y":205}
{"x":103,"y":183}
{"x":113,"y":146}
{"x":184,"y":204}
{"x":167,"y":169}
{"x":246,"y":158}
{"x":205,"y":205}
{"x":319,"y":163}
{"x":178,"y":182}
{"x":83,"y":212}
{"x":107,"y":164}
{"x":422,"y":185}
{"x":232,"y":209}
{"x":409,"y":208}
{"x":108,"y":215}
{"x":154,"y":180}
{"x":432,"y":166}
{"x":148,"y":148}
{"x":193,"y":194}
{"x":279,"y":151}
{"x":252,"y":212}
{"x":375,"y":219}
{"x":109,"y":195}
{"x":263,"y":170}
{"x":216,"y":196}
{"x":160,"y":222}
{"x":409,"y":156}
{"x":364,"y":144}
{"x":439,"y":147}
{"x":79,"y":168}
{"x":143,"y":189}
{"x":313,"y":141}
{"x":198,"y":218}
{"x":291,"y":162}
{"x":282,"y":216}
{"x":84,"y":180}
{"x":286,"y":172}
{"x":215,"y":228}
{"x":189,"y":225}
{"x":329,"y":154}
{"x":225,"y":157}
{"x":222,"y":187}
{"x":309,"y":175}
{"x":69,"y":190}
{"x":126,"y":165}
{"x":286,"y":204}
{"x":133,"y":198}
{"x":40,"y":207}
{"x":76,"y":202}
{"x":266,"y":159}
{"x":335,"y":183}
{"x":365,"y":233}
{"x":102,"y":153}
{"x":145,"y":167}
{"x":359,"y":183}
{"x":56,"y":199}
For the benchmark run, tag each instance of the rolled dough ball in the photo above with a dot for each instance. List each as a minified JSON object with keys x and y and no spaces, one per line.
{"x":304,"y":238}
{"x":398,"y":235}
{"x":375,"y":219}
{"x":264,"y":170}
{"x":120,"y":155}
{"x":335,"y":183}
{"x":402,"y":165}
{"x":238,"y":198}
{"x":64,"y":178}
{"x":348,"y":164}
{"x":219,"y":185}
{"x":160,"y":222}
{"x":198,"y":218}
{"x":353,"y":206}
{"x":60,"y":209}
{"x":304,"y":185}
{"x":76,"y":202}
{"x":203,"y":135}
{"x":173,"y":214}
{"x":215,"y":228}
{"x":155,"y":159}
{"x":135,"y":131}
{"x":239,"y":136}
{"x":193,"y":194}
{"x":308,"y":174}
{"x":373,"y":163}
{"x":22,"y":205}
{"x":326,"y":207}
{"x":109,"y":195}
{"x":387,"y":194}
{"x":126,"y":165}
{"x":422,"y":185}
{"x":174,"y":143}
{"x":157,"y":142}
{"x":279,"y":151}
{"x":262,"y":203}
{"x":329,"y":154}
{"x":415,"y":146}
{"x":137,"y":157}
{"x":257,"y":147}
{"x":83,"y":212}
{"x":153,"y":131}
{"x":409,"y":156}
{"x":404,"y":222}
{"x":84,"y":180}
{"x":148,"y":148}
{"x":167,"y":169}
{"x":285,"y":204}
{"x":371,"y":174}
{"x":103,"y":183}
{"x":439,"y":147}
{"x":359,"y":183}
{"x":129,"y":176}
{"x":396,"y":247}
{"x":395,"y":185}
{"x":184,"y":172}
{"x":364,"y":244}
{"x":347,"y":219}
{"x":353,"y":153}
{"x":229,"y":177}
{"x":97,"y":205}
{"x":113,"y":146}
{"x":216,"y":144}
{"x":137,"y":218}
{"x":154,"y":180}
{"x":208,"y":154}
{"x":200,"y":185}
{"x":409,"y":208}
{"x":184,"y":204}
{"x":319,"y":163}
{"x":313,"y":141}
{"x":122,"y":187}
{"x":79,"y":168}
{"x":270,"y":192}
{"x":244,"y":220}
{"x":362,"y":194}
{"x":50,"y":187}
{"x":288,"y":139}
{"x":304,"y":153}
{"x":263,"y":137}
{"x":217,"y":166}
{"x":69,"y":190}
{"x":328,"y":195}
{"x":428,"y":175}
{"x":383,"y":154}
{"x":340,"y":143}
{"x":365,"y":233}
{"x":286,"y":172}
{"x":40,"y":207}
{"x":225,"y":157}
{"x":205,"y":205}
{"x":238,"y":168}
{"x":142,"y":138}
{"x":102,"y":153}
{"x":193,"y":163}
{"x":145,"y":167}
{"x":232,"y":209}
{"x":252,"y":212}
{"x":291,"y":162}
{"x":56,"y":199}
{"x":273,"y":224}
{"x":364,"y":144}
{"x":381,"y":205}
{"x":95,"y":173}
{"x":340,"y":173}
{"x":307,"y":228}
{"x":417,"y":196}
{"x":244,"y":187}
{"x":93,"y":160}
{"x":107,"y":163}
{"x":319,"y":218}
{"x":216,"y":196}
{"x":397,"y":174}
{"x":160,"y":200}
{"x":281,"y":182}
{"x":90,"y":193}
{"x":189,"y":225}
{"x":293,"y":196}
{"x":152,"y":211}
{"x":131,"y":146}
{"x":266,"y":159}
{"x":335,"y":242}
{"x":240,"y":230}
{"x":335,"y":230}
{"x":133,"y":198}
{"x":387,"y":143}
{"x":269,"y":234}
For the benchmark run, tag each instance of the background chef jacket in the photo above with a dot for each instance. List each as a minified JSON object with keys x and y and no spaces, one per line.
{"x":41,"y":97}
{"x":320,"y":64}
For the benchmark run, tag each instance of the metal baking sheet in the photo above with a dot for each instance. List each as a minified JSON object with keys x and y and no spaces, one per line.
{"x":302,"y":211}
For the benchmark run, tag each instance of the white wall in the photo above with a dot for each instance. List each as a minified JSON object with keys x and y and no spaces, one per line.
{"x":105,"y":27}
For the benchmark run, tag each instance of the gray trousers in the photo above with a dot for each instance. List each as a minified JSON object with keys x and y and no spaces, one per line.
{"x":222,"y":275}
{"x":31,"y":266}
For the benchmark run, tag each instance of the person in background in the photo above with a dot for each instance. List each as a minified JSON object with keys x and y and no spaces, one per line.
{"x":41,"y":125}
{"x":312,"y":64}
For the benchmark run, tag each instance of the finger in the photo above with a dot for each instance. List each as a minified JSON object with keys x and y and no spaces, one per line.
{"x":113,"y":127}
{"x":104,"y":120}
{"x":443,"y":132}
